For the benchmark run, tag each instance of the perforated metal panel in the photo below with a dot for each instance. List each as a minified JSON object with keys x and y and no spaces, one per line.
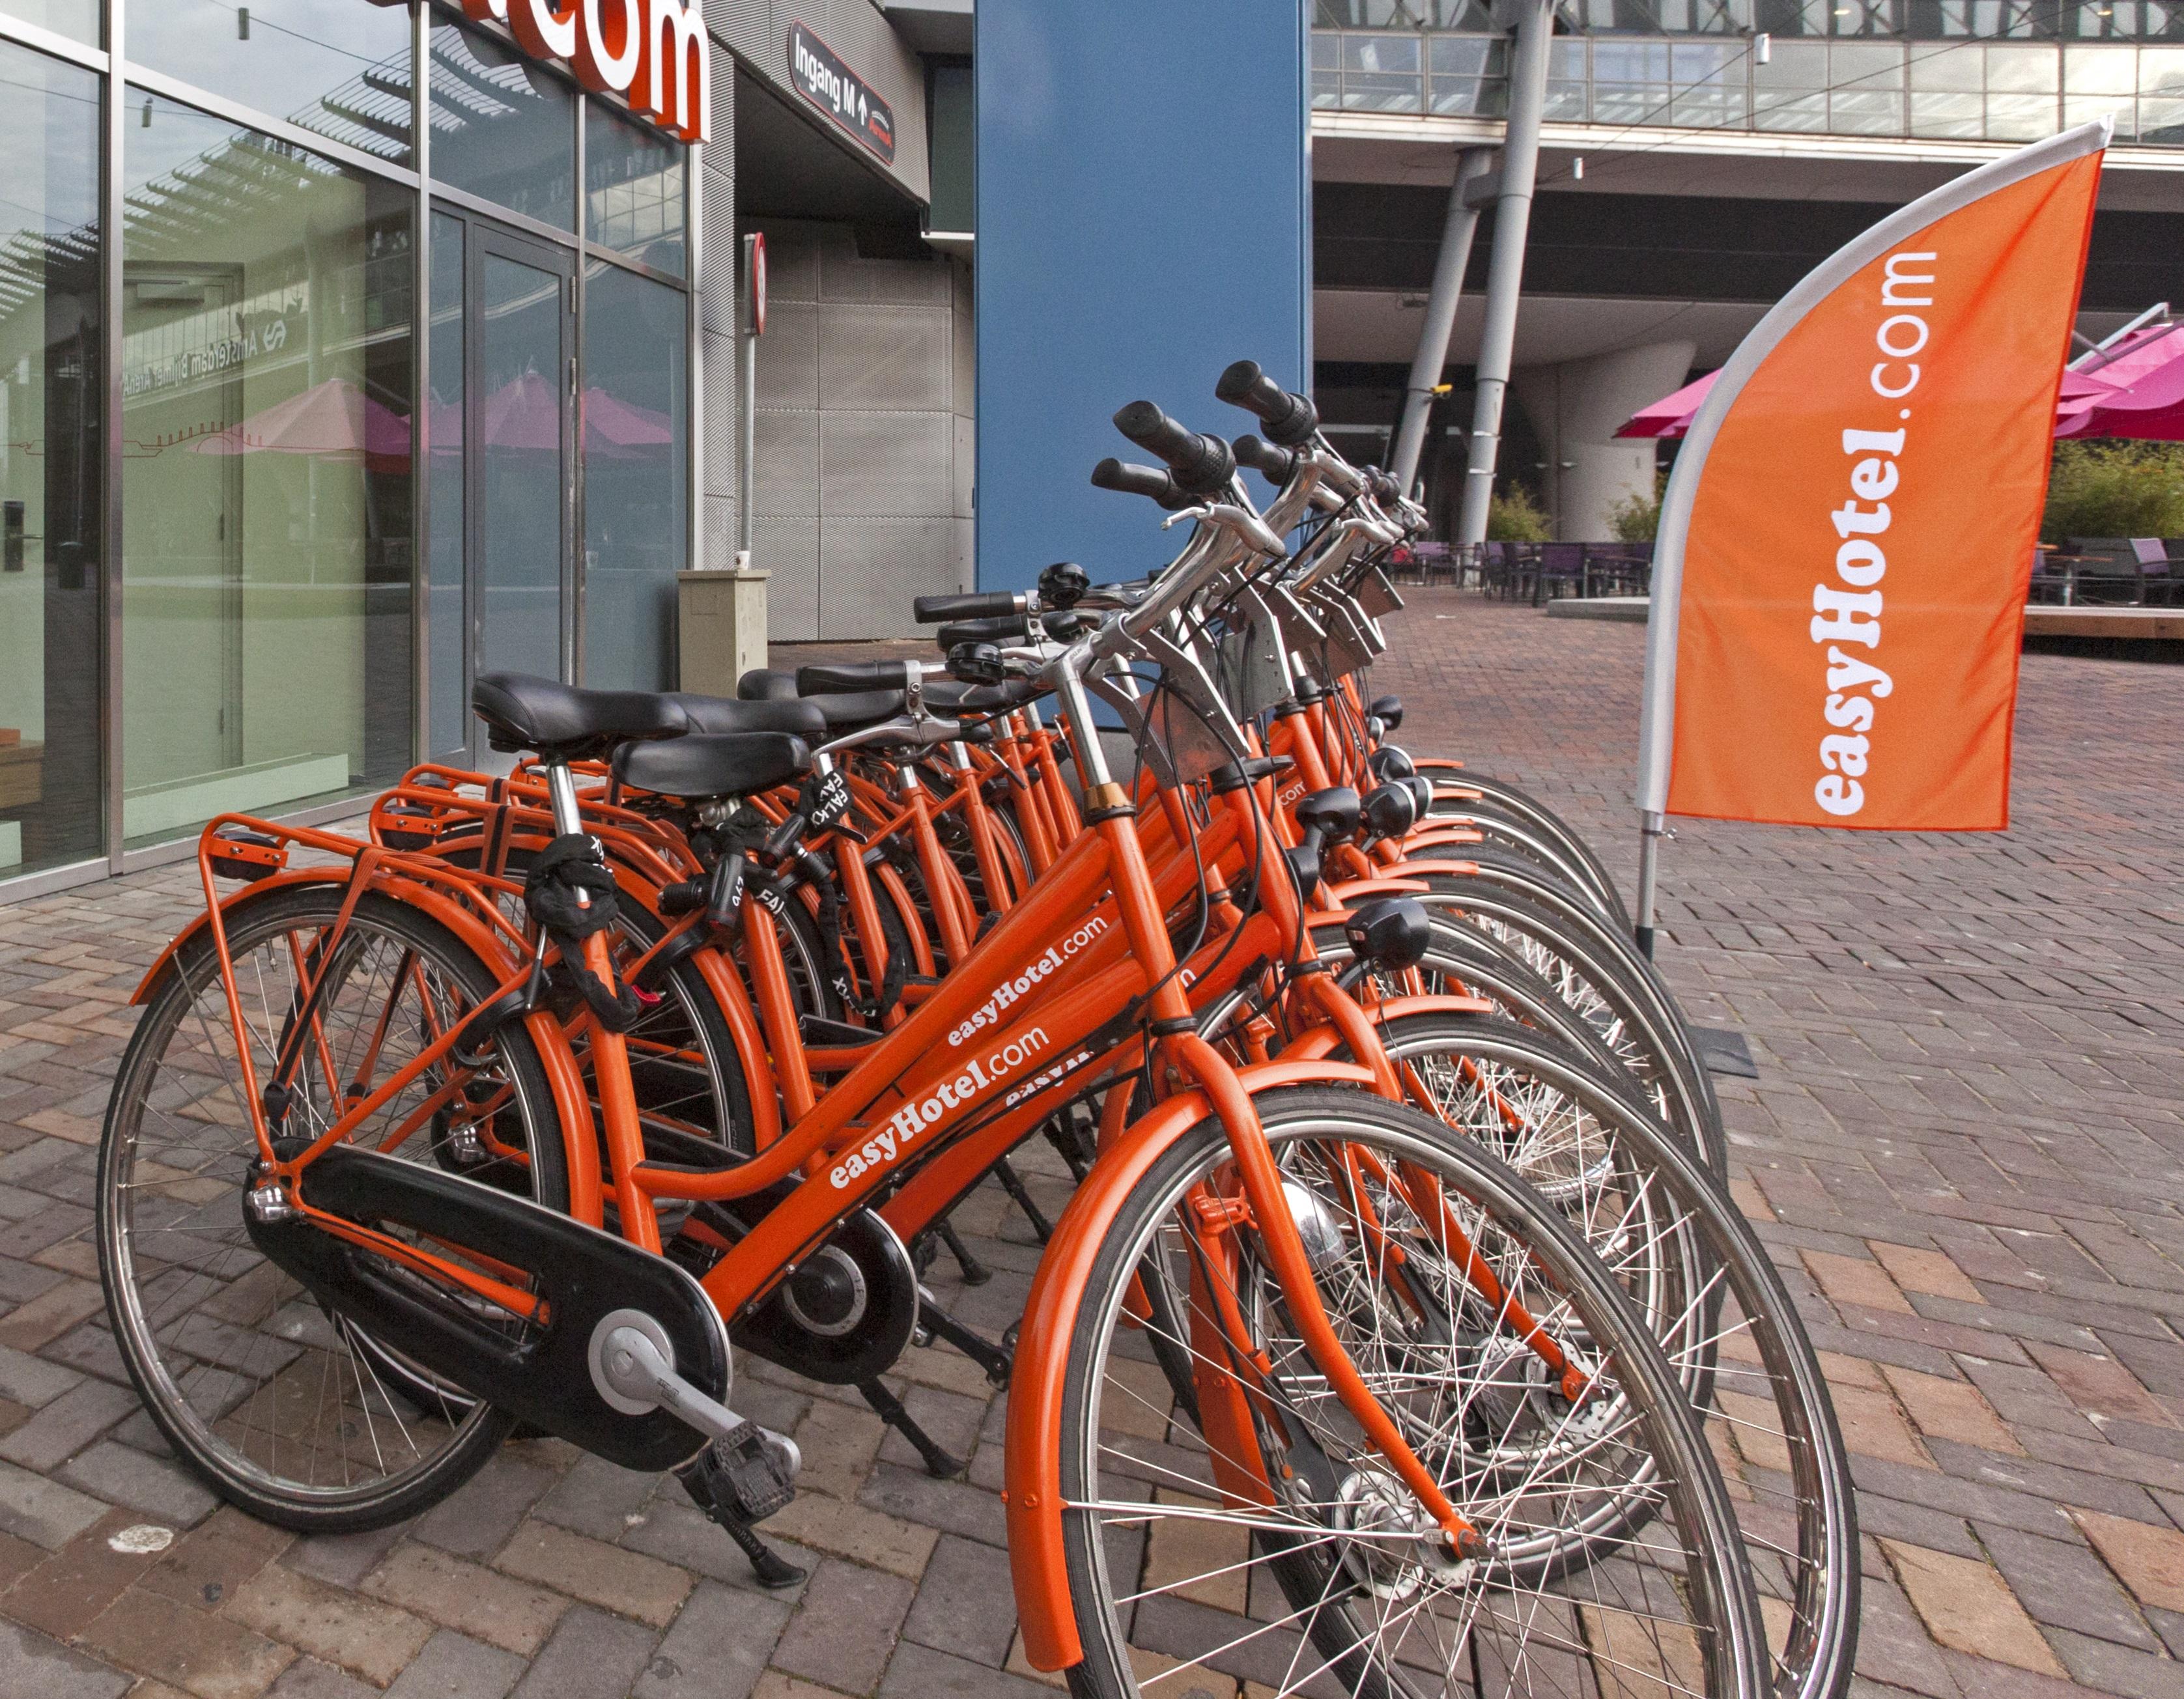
{"x":869,"y":569}
{"x":858,"y":31}
{"x":785,"y":471}
{"x":873,"y":357}
{"x":788,"y":548}
{"x":721,"y":435}
{"x":884,"y":465}
{"x":745,"y":26}
{"x":719,"y":515}
{"x":720,"y":261}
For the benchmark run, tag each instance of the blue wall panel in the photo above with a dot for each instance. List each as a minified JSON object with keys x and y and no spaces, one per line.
{"x":1144,"y":219}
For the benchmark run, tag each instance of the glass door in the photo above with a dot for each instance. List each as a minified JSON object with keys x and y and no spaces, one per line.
{"x":503,"y":466}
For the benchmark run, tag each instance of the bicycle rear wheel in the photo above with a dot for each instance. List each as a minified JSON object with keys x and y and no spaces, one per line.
{"x":282,"y":1407}
{"x":1285,"y":1555}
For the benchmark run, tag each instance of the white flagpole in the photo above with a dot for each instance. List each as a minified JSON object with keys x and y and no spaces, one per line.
{"x":1656,"y":717}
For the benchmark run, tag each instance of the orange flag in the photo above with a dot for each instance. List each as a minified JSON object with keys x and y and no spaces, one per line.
{"x":1847,"y":539}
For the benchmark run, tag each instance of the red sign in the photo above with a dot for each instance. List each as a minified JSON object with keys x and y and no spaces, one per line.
{"x":758,"y":284}
{"x":1847,"y":536}
{"x":653,"y":51}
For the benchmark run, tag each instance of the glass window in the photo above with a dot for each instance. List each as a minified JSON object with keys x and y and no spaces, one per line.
{"x":450,"y":710}
{"x":1947,"y":114}
{"x":77,"y":19}
{"x":2021,"y":117}
{"x":51,"y":389}
{"x":2022,"y":69}
{"x":2084,"y":108}
{"x":1953,"y":70}
{"x":341,"y":71}
{"x":266,"y":500}
{"x":2161,"y":120}
{"x":1710,"y":85}
{"x":636,"y":436}
{"x":2161,"y":70}
{"x":503,"y":128}
{"x":2100,"y":70}
{"x":1380,"y":52}
{"x":1787,"y":92}
{"x":632,"y":189}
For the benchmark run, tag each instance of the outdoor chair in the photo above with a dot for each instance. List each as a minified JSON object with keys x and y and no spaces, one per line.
{"x":2049,"y":581}
{"x":2108,"y":572}
{"x":2157,"y":580}
{"x":1559,"y":571}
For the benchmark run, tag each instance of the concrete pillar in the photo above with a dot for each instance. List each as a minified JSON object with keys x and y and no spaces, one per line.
{"x":1576,"y":407}
{"x":1439,"y":323}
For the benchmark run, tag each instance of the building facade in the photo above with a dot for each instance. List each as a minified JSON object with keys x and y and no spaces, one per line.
{"x":1697,"y":157}
{"x":351,"y":347}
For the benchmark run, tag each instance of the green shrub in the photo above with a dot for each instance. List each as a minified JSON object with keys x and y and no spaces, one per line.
{"x":1637,"y":516}
{"x":1512,"y":517}
{"x":2104,"y":489}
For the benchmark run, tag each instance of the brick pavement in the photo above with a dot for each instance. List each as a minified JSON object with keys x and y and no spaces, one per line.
{"x":1963,"y":1147}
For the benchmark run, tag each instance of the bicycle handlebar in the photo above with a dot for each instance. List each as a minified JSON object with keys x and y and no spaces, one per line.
{"x":1112,"y":474}
{"x":1276,"y":465}
{"x":1291,"y":421}
{"x":831,"y":678}
{"x":1201,"y":465}
{"x":979,"y":604}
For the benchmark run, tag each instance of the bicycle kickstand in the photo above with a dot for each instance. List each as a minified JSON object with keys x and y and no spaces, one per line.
{"x":939,"y":1462}
{"x":975,"y":1273}
{"x":937,"y":1323}
{"x":1006,"y":1172}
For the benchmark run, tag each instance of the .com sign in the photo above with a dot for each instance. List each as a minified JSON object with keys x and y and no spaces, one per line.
{"x":653,"y":51}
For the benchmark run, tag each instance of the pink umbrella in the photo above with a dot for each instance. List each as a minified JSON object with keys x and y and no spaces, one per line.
{"x":1671,"y":416}
{"x":335,"y":417}
{"x":523,"y":413}
{"x":2138,"y":390}
{"x":613,"y":423}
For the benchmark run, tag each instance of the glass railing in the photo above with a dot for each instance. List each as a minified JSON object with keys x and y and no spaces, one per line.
{"x":1967,"y":89}
{"x":2011,"y":20}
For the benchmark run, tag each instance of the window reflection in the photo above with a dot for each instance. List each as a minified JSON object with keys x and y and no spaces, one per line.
{"x":265,"y":491}
{"x":632,"y":189}
{"x":636,"y":335}
{"x":51,"y":390}
{"x":77,"y":19}
{"x":341,"y":71}
{"x":450,"y":694}
{"x":503,"y":128}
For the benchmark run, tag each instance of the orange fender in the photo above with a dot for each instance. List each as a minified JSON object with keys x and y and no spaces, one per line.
{"x":1351,"y":891}
{"x":1033,"y":1494}
{"x":1418,"y":870}
{"x":1441,"y":838}
{"x":1324,"y":1040}
{"x":572,"y":1100}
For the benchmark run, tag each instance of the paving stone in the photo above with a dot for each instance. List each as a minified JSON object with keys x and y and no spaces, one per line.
{"x":966,"y":1604}
{"x":590,"y":1652}
{"x":32,"y":1380}
{"x":207,"y":1565}
{"x":624,"y":1581}
{"x":2063,"y":1585}
{"x":344,"y":1559}
{"x":850,"y":1530}
{"x":460,"y":1595}
{"x":1969,"y":1607}
{"x":50,"y":1314}
{"x":477,"y":1520}
{"x":718,"y":1648}
{"x":62,"y":1593}
{"x":308,"y":1679}
{"x":374,"y":1640}
{"x":68,"y":1424}
{"x":846,"y":1627}
{"x":919,"y":1672}
{"x":38,"y":1667}
{"x":43,"y":1511}
{"x":1945,"y":1409}
{"x":204,"y":1654}
{"x":2148,"y":1560}
{"x":163,"y":1489}
{"x":453,"y":1666}
{"x":598,"y":1498}
{"x":1914,"y":1270}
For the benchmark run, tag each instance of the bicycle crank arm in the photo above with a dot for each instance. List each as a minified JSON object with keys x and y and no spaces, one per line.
{"x":632,"y":1364}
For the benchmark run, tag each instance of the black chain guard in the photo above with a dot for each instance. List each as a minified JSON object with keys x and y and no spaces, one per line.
{"x":540,"y":1373}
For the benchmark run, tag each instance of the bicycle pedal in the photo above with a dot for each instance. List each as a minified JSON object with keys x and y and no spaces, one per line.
{"x":747,"y":1474}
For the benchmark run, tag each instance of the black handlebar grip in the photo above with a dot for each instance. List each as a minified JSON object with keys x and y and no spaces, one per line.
{"x":1201,"y":465}
{"x":979,"y":604}
{"x":1015,"y":628}
{"x":1291,"y":420}
{"x":1160,"y":487}
{"x":1382,"y":485}
{"x":834,"y":678}
{"x":1276,"y":466}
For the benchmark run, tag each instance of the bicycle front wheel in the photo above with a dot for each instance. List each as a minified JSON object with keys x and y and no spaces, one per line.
{"x":1281,"y":1553}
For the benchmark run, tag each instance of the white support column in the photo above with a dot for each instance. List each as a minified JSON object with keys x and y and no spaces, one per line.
{"x":1505,"y":270}
{"x":1577,"y":407}
{"x":1432,"y":358}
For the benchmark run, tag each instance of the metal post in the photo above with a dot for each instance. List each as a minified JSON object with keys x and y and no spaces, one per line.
{"x":1471,"y":163}
{"x":1653,"y":827}
{"x":748,"y":424}
{"x":1505,"y":267}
